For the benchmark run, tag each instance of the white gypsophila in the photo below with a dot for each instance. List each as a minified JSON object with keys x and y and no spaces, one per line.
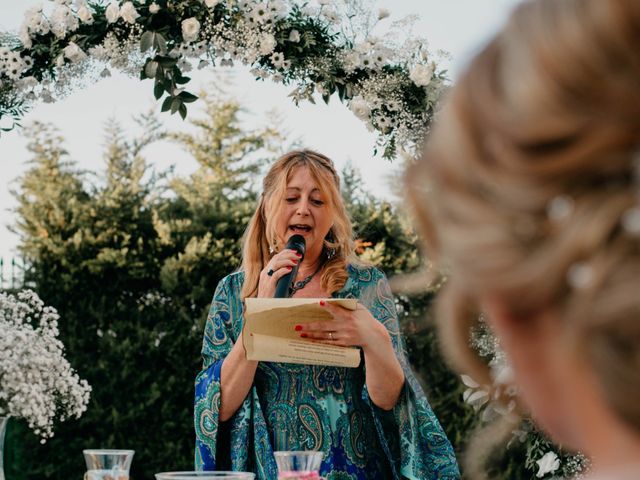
{"x":421,"y":75}
{"x":38,"y":384}
{"x":74,"y":53}
{"x":549,"y":463}
{"x":129,"y":13}
{"x":112,"y":13}
{"x":154,"y":8}
{"x":190,"y":29}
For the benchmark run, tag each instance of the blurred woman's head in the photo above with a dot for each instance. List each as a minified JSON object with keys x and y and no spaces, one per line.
{"x":301,"y":195}
{"x":529,"y":196}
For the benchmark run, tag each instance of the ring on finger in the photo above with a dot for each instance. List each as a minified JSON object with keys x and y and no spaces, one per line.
{"x":331,"y":336}
{"x":270,"y":272}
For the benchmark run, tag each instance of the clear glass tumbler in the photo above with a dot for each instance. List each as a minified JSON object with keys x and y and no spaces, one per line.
{"x":205,"y":476}
{"x":298,"y":465}
{"x":107,"y":464}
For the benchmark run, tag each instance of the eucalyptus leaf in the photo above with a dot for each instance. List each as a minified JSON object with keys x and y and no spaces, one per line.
{"x":175,"y":104}
{"x":166,"y":105}
{"x":146,"y":41}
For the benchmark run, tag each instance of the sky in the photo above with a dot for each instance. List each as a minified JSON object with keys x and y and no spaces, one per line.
{"x":460,"y":27}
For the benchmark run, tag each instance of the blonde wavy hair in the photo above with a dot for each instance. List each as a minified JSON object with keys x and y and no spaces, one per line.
{"x":260,"y":237}
{"x":549,"y":110}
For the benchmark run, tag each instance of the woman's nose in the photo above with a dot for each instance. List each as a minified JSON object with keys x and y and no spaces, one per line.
{"x":303,"y":207}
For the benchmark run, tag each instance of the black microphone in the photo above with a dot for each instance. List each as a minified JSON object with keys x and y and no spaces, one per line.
{"x":297,"y":243}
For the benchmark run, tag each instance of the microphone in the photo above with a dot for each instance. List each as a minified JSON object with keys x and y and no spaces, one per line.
{"x":297,"y":243}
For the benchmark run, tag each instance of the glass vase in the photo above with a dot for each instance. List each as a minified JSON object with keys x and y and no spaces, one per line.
{"x":298,"y":465}
{"x":3,"y":428}
{"x":107,"y":464}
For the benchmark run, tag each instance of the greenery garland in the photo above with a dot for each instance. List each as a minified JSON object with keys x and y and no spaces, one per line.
{"x":325,"y":48}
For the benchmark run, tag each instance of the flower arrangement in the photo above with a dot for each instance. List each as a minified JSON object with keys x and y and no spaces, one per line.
{"x":36,"y":382}
{"x":543,"y":458}
{"x":391,"y":83}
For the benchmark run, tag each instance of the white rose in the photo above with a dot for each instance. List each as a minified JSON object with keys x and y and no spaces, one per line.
{"x":85,"y":15}
{"x":383,"y":13}
{"x":360,"y":108}
{"x":154,"y":8}
{"x":211,"y":3}
{"x":549,"y":463}
{"x":267,"y":44}
{"x":421,"y":75}
{"x":112,"y":12}
{"x":74,"y":53}
{"x":128,"y":12}
{"x":294,"y":36}
{"x":190,"y":29}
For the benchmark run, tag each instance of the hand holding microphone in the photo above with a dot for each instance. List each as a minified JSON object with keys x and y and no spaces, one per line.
{"x":278,"y":275}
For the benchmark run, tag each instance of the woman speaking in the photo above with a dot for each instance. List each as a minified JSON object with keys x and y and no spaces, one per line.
{"x":370,"y":422}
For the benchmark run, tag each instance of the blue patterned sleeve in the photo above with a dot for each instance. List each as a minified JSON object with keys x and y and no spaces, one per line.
{"x":410,"y":433}
{"x":219,"y":337}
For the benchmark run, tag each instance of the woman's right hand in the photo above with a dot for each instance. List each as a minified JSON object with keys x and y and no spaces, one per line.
{"x":276,"y":268}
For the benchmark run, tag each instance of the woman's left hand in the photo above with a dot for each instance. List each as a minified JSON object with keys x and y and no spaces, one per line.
{"x":347,"y":328}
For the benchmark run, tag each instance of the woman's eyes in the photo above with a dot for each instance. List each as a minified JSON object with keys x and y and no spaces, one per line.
{"x":314,"y":201}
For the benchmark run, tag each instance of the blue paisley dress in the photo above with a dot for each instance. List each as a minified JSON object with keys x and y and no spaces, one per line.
{"x":300,"y":407}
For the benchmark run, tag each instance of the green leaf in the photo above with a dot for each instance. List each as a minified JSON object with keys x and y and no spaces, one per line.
{"x":175,"y":104}
{"x":146,"y":41}
{"x":180,"y":80}
{"x":183,"y":111}
{"x":160,"y":43}
{"x":150,"y":69}
{"x":158,"y":90}
{"x":166,"y":105}
{"x":326,"y":98}
{"x":187,"y":97}
{"x":167,"y":62}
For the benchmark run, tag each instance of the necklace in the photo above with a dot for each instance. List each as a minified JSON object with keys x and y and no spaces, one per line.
{"x":303,"y":283}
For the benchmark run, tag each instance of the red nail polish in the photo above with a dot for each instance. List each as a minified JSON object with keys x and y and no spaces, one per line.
{"x":289,"y":268}
{"x":322,"y":303}
{"x":303,"y":335}
{"x":298,"y":254}
{"x":298,"y":328}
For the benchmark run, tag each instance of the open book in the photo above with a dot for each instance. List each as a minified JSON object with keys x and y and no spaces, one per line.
{"x":269,"y":332}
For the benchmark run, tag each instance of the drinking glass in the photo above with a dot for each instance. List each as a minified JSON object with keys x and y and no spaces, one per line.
{"x":205,"y":476}
{"x":107,"y":464}
{"x":299,"y":465}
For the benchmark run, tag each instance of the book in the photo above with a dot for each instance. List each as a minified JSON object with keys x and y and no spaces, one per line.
{"x":269,"y":332}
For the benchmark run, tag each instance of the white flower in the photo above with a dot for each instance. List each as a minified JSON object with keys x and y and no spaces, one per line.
{"x":129,"y":13}
{"x":360,"y":108}
{"x":277,"y":58}
{"x":25,"y":38}
{"x":267,"y":44}
{"x":190,"y":29}
{"x":154,"y":8}
{"x":294,"y":36}
{"x":85,"y":15}
{"x":63,"y":21}
{"x":549,"y":463}
{"x":383,"y":13}
{"x":211,"y":3}
{"x":74,"y":53}
{"x":421,"y":75}
{"x":38,"y":384}
{"x":112,"y":12}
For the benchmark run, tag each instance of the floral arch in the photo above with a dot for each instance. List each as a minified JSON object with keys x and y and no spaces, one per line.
{"x":390,"y":83}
